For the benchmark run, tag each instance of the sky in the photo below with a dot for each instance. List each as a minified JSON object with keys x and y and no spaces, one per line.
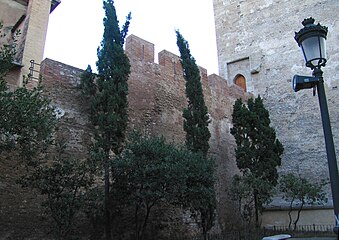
{"x":76,"y":26}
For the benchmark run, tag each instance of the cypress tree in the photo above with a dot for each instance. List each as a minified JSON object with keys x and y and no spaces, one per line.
{"x":196,"y":122}
{"x":196,"y":114}
{"x":258,"y":152}
{"x":108,"y":97}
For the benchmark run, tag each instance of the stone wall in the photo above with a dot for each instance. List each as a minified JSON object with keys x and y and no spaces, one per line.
{"x":308,"y":217}
{"x":261,"y":33}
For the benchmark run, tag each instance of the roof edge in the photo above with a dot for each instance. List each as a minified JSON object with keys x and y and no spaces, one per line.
{"x":54,"y":4}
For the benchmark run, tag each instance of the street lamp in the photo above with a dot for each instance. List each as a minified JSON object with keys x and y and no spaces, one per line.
{"x":312,"y":41}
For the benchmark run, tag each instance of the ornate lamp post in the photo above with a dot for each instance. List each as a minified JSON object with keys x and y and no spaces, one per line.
{"x":312,"y":41}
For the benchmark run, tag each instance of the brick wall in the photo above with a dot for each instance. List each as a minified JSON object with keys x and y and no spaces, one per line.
{"x":156,"y":100}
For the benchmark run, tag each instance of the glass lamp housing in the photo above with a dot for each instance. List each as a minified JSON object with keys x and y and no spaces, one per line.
{"x":312,"y":41}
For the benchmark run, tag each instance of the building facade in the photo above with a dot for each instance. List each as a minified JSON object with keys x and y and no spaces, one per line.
{"x":257,"y":51}
{"x":30,"y":19}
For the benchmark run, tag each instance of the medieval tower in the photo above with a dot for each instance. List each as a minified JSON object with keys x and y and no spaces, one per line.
{"x":257,"y":51}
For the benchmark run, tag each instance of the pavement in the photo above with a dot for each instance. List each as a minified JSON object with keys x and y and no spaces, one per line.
{"x":286,"y":236}
{"x":314,"y":238}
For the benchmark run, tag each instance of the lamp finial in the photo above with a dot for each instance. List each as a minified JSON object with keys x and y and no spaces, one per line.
{"x":308,"y":21}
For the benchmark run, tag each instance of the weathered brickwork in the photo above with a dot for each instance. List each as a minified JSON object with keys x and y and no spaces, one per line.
{"x":21,"y":214}
{"x":61,"y":86}
{"x":157,"y":97}
{"x":156,"y":100}
{"x":261,"y":33}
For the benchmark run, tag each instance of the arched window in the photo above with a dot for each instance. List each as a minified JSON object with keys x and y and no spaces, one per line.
{"x":240,"y":80}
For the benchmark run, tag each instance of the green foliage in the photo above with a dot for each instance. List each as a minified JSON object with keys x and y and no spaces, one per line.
{"x":27,"y":126}
{"x":27,"y":120}
{"x":63,"y":180}
{"x":106,"y":95}
{"x":299,"y":191}
{"x":88,"y":90}
{"x":241,"y":192}
{"x":94,"y":208}
{"x":258,"y":152}
{"x":199,"y":196}
{"x":112,"y":89}
{"x":27,"y":129}
{"x":148,"y":173}
{"x":196,"y":114}
{"x":27,"y":123}
{"x":196,"y":128}
{"x":151,"y":172}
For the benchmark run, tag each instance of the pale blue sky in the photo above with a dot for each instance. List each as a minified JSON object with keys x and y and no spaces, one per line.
{"x":75,"y":28}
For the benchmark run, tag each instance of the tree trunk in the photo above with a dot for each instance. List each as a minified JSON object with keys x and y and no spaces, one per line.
{"x":108,"y":232}
{"x":204,"y":232}
{"x":256,"y":208}
{"x":298,"y":215}
{"x":148,"y":211}
{"x":136,"y":218}
{"x":290,"y":214}
{"x":204,"y":222}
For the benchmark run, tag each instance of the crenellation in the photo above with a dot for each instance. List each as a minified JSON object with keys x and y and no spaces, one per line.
{"x":139,"y":49}
{"x":170,"y":61}
{"x":204,"y":77}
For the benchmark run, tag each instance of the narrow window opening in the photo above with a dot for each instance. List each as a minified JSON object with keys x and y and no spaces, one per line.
{"x":174,"y":67}
{"x":240,"y":80}
{"x":143,"y":52}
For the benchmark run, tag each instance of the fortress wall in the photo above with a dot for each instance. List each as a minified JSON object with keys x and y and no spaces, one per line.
{"x":156,"y":100}
{"x":61,"y":85}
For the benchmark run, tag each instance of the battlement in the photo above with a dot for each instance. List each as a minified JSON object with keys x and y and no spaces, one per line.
{"x":171,"y":61}
{"x":138,"y":49}
{"x":141,"y":54}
